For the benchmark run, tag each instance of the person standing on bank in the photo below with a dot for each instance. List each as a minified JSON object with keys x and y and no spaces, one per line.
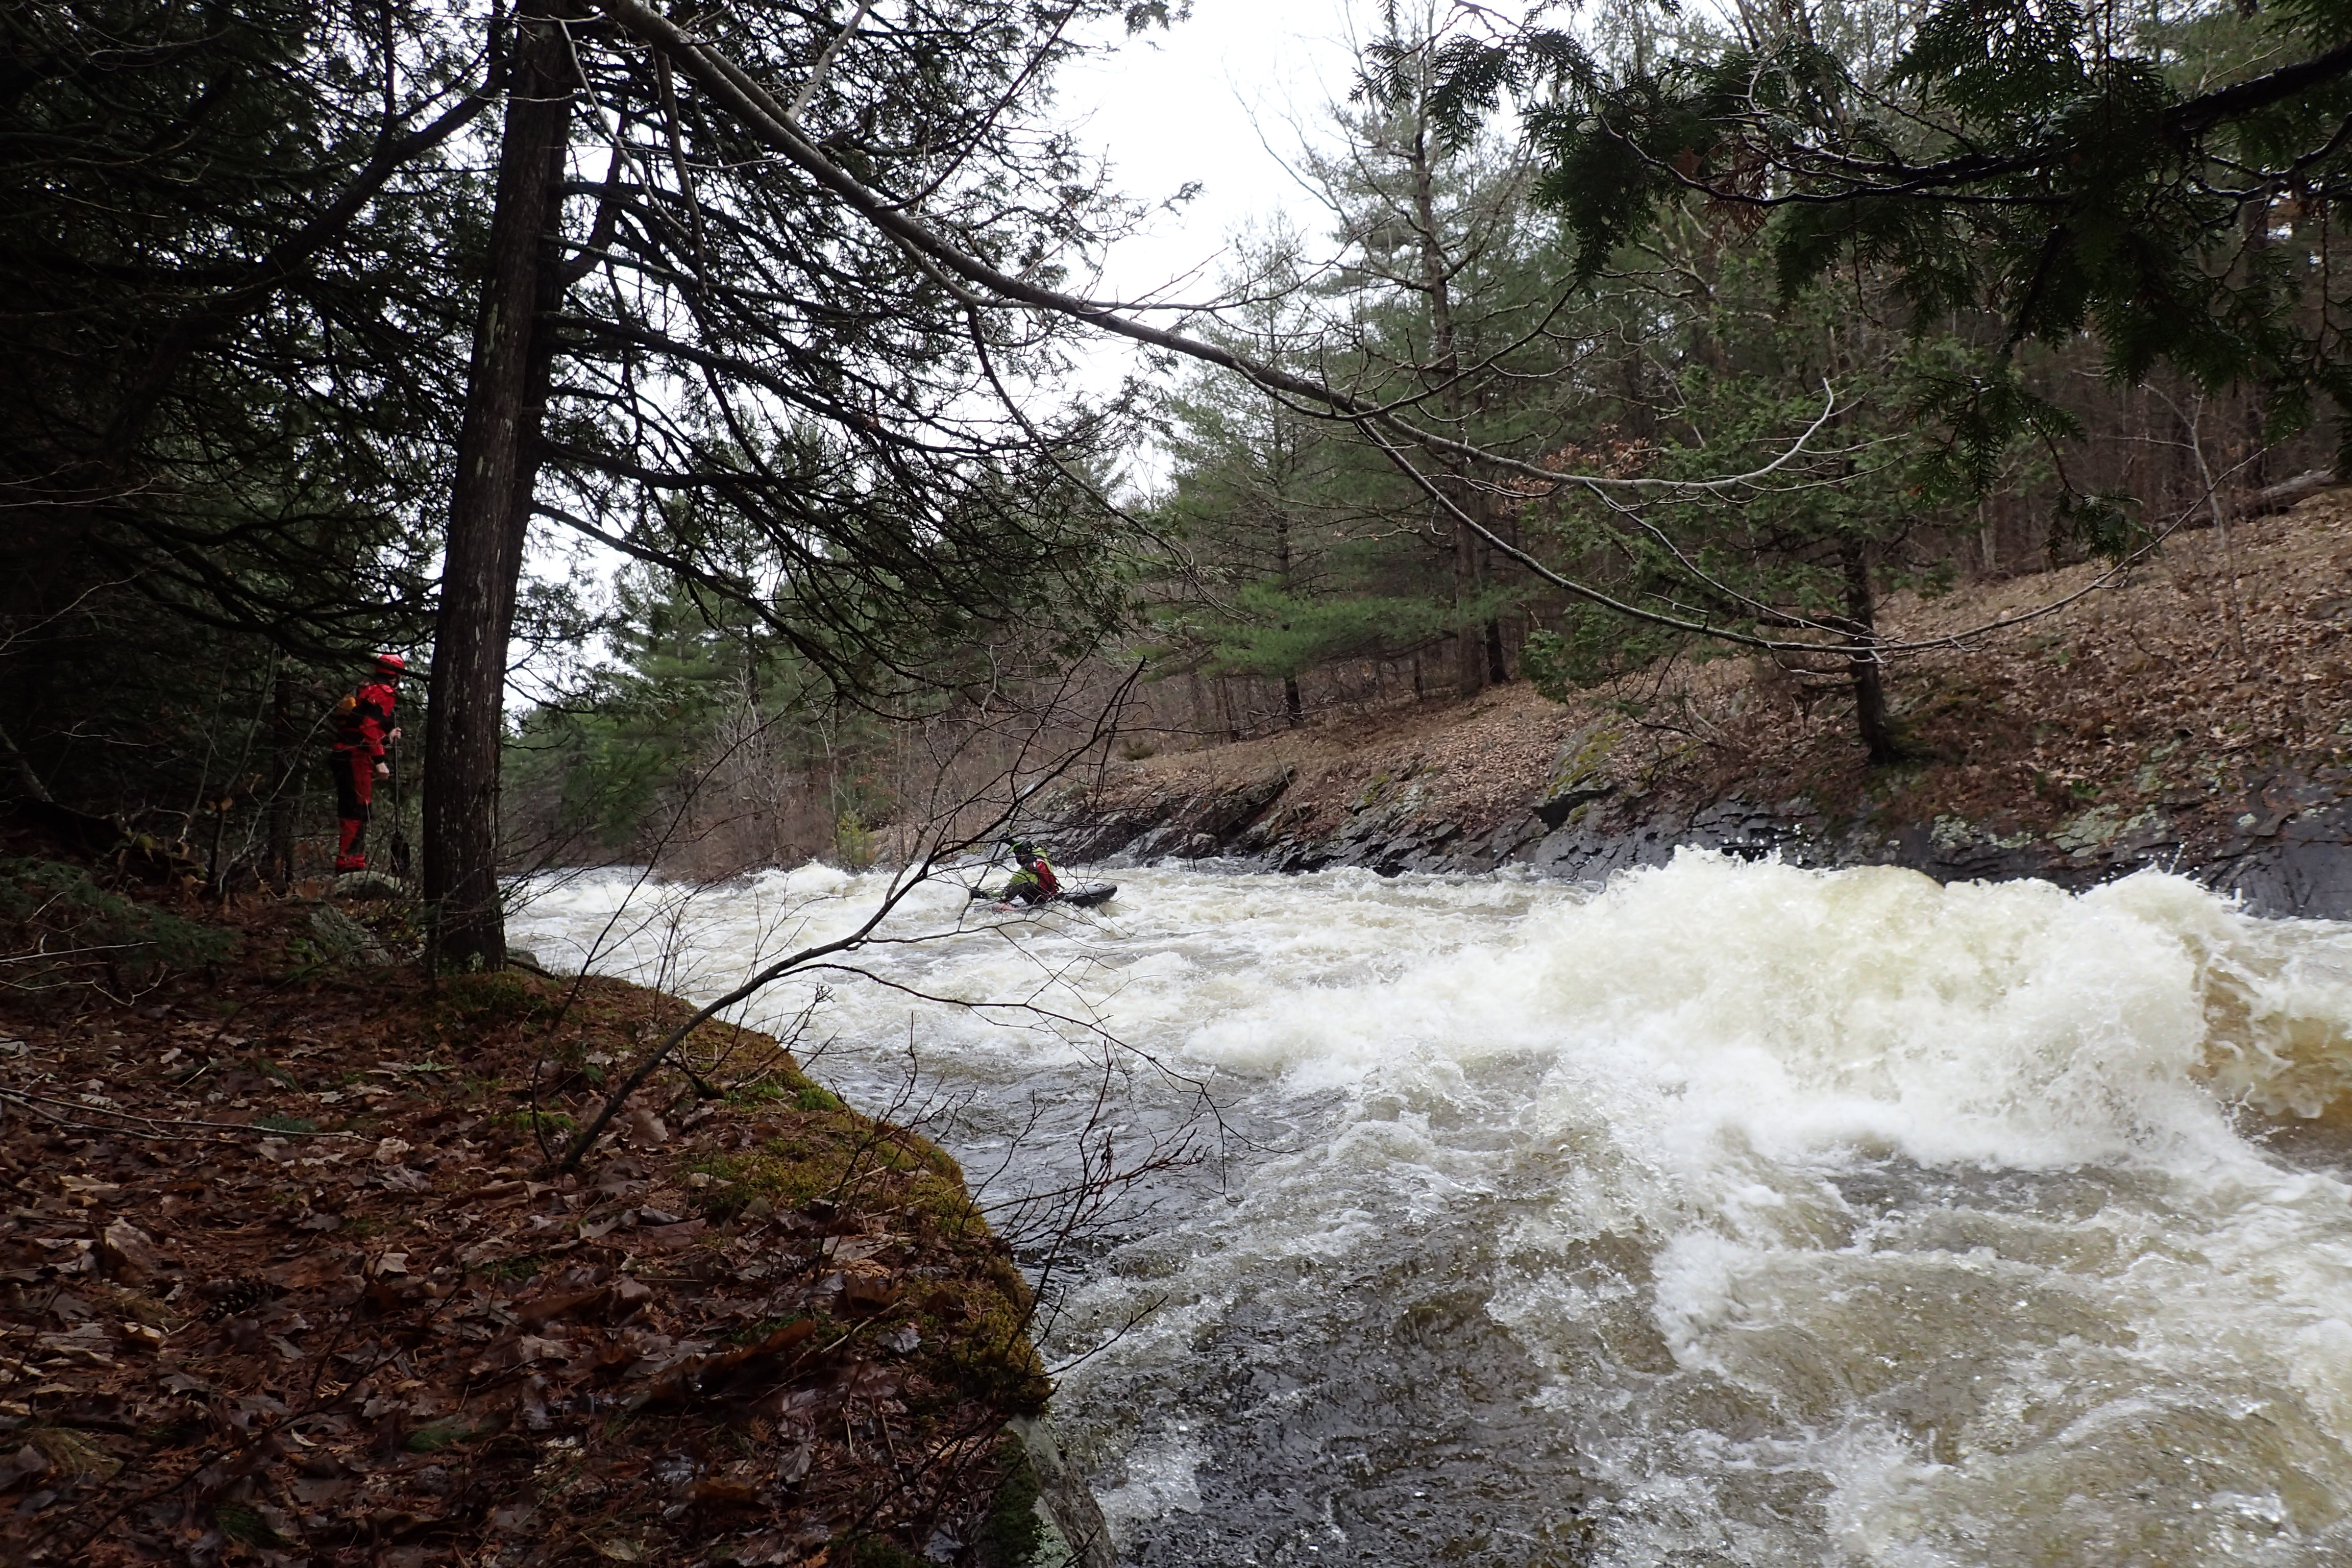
{"x":364,"y":728}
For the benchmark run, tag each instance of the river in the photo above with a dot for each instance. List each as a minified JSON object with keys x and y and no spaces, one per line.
{"x":1738,"y":1213}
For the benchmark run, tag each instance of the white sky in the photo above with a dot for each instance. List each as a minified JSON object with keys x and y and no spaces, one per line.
{"x":1222,"y":99}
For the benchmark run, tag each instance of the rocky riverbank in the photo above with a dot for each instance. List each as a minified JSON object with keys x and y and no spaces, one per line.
{"x":2195,"y":716}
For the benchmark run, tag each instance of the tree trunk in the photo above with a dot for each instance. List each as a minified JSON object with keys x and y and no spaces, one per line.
{"x":1469,"y":644}
{"x":2254,"y":474}
{"x":286,"y":766}
{"x":1863,"y":666}
{"x":489,"y":507}
{"x":1290,"y":705}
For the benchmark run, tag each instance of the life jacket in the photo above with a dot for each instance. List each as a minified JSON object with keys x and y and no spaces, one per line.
{"x":1048,"y":883}
{"x":364,"y":718}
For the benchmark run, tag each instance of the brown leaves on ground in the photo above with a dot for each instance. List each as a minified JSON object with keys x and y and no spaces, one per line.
{"x":358,"y":1322}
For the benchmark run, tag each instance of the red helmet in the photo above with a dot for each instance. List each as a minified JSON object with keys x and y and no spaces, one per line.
{"x":391,"y":663}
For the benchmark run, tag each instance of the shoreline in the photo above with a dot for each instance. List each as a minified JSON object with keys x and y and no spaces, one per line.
{"x":2195,"y":715}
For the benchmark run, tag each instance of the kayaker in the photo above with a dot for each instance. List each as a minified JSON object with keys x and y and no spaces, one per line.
{"x":1034,"y":881}
{"x":364,"y":728}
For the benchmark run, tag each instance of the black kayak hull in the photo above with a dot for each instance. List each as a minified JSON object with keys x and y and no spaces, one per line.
{"x":1085,"y":896}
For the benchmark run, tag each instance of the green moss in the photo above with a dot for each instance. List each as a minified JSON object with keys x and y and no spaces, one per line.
{"x":880,"y":1551}
{"x":526,"y":1119}
{"x":786,"y":1171}
{"x":1013,"y":1534}
{"x":841,"y":1156}
{"x":514,"y":1269}
{"x":991,"y":1357}
{"x":497,"y":996}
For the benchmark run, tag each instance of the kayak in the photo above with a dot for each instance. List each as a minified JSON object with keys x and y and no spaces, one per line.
{"x":1080,"y":895}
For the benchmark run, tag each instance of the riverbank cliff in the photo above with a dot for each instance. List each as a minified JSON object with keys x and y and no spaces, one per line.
{"x":2195,"y":714}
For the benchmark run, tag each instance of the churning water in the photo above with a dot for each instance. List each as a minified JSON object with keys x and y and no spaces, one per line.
{"x":1737,"y":1215}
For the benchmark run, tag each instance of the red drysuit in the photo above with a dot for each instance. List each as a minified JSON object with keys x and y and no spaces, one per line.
{"x":362,"y":725}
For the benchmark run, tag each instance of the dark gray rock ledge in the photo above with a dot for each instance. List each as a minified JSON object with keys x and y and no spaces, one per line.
{"x":2285,"y":849}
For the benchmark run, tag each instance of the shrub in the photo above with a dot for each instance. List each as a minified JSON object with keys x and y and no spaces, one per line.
{"x":59,"y":930}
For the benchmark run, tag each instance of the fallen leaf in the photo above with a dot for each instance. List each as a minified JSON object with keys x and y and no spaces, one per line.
{"x":869,"y":1292}
{"x":544,"y":1309}
{"x":130,"y":1253}
{"x":665,"y":1237}
{"x":310,"y":1269}
{"x":700,"y":1372}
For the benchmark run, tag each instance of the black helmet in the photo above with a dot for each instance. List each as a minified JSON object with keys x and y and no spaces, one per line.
{"x":1021,"y":849}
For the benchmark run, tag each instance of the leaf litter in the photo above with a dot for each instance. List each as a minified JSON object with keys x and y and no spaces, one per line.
{"x":286,"y":1279}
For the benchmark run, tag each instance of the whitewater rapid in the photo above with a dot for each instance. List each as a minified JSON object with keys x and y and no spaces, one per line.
{"x":1737,"y":1214}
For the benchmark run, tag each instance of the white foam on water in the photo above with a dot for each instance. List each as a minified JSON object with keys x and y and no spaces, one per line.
{"x":1839,"y":1216}
{"x":1159,"y":1481}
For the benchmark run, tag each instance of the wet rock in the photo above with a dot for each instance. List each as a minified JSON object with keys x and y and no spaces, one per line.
{"x":2287,"y":850}
{"x":1076,"y":1534}
{"x":346,"y":941}
{"x":2303,"y":866}
{"x":1195,"y":827}
{"x":367,"y":884}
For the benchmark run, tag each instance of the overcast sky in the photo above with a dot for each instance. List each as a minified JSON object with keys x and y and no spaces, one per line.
{"x":1222,"y":100}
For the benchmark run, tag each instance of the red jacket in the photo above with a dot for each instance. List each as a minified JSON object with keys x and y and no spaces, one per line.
{"x":362,"y":725}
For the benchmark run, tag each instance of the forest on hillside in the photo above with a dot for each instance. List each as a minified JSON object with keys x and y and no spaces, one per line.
{"x":687,"y":394}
